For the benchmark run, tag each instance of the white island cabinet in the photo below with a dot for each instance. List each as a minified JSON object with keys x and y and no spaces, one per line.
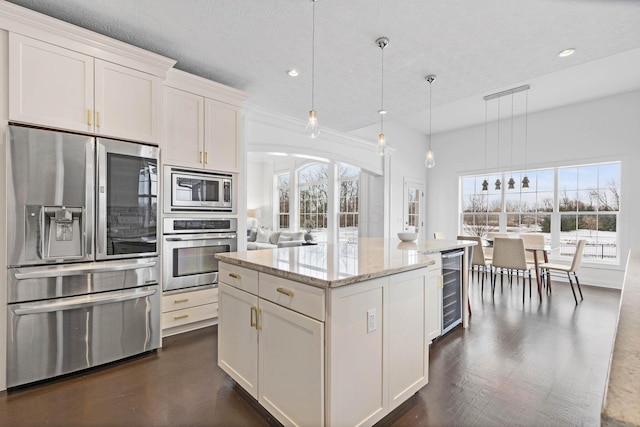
{"x":335,"y":343}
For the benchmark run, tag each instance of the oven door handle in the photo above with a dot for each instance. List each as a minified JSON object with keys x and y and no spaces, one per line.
{"x":80,"y":302}
{"x":78,"y":270}
{"x":205,"y":237}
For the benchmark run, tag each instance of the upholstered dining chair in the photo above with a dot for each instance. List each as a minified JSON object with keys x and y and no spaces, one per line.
{"x":438,"y":235}
{"x":568,"y":269}
{"x":488,"y":252}
{"x":478,"y":260}
{"x":532,"y":240}
{"x":509,"y":254}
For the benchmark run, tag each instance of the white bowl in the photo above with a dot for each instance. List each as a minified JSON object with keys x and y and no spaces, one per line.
{"x":407,"y":237}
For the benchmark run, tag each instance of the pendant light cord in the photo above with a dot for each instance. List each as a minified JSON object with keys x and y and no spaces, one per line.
{"x":486,"y":118}
{"x":511,"y":155}
{"x":382,"y":91}
{"x":430,"y":114}
{"x":526,"y":128}
{"x":313,"y":55}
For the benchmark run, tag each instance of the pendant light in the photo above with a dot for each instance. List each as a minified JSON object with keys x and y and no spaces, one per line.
{"x":430,"y":161}
{"x":485,"y":183}
{"x":525,"y":180}
{"x":511,"y":181}
{"x":312,"y":125}
{"x":382,"y":149}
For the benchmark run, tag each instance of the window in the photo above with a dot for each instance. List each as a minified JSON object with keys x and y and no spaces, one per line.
{"x":312,"y":190}
{"x":349,"y":184}
{"x":283,"y":213}
{"x":564,"y":204}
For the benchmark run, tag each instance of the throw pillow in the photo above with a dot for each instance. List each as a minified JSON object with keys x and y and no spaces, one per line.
{"x":263,"y":235}
{"x":285,"y":238}
{"x":253,"y":233}
{"x":274,"y":237}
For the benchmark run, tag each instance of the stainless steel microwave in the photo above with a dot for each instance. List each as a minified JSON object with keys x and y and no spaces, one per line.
{"x":192,"y":190}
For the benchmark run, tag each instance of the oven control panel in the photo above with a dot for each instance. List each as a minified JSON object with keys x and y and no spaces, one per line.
{"x":199,"y":225}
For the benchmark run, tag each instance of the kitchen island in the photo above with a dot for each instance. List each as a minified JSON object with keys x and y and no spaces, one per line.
{"x":334,"y":334}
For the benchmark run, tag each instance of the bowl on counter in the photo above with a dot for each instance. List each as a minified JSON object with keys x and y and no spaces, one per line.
{"x":407,"y":237}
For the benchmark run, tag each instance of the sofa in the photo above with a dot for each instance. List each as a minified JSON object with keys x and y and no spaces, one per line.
{"x":262,"y":238}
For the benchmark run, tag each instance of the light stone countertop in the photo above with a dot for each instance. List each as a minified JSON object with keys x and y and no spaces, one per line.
{"x":622,"y":398}
{"x":334,"y":265}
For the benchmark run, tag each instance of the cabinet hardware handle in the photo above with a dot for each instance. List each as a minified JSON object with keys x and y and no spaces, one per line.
{"x":182,"y":316}
{"x":258,"y":318}
{"x":234,"y":275}
{"x":253,"y":311}
{"x":441,"y":281}
{"x":98,"y":118}
{"x":201,"y":157}
{"x":178,"y":301}
{"x":287,"y":292}
{"x":89,"y":119}
{"x":206,"y":157}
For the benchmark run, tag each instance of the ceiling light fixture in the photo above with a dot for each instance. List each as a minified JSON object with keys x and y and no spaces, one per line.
{"x":430,"y":162}
{"x":382,"y":149}
{"x":312,"y":125}
{"x":566,"y":52}
{"x":293,"y":72}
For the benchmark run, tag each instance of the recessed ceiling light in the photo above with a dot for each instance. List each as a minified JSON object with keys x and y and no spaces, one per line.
{"x":293,"y":72}
{"x":566,"y":52}
{"x":382,"y":111}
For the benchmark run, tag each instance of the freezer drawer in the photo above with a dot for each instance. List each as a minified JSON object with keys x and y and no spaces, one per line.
{"x":58,"y":336}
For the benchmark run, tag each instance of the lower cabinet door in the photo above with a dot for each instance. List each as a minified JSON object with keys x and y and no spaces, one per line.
{"x":406,"y":336}
{"x":434,"y":303}
{"x":291,"y":371}
{"x":238,"y":336}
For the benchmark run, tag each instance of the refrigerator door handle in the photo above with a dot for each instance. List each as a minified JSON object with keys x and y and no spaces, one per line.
{"x":82,"y":269}
{"x":80,"y":302}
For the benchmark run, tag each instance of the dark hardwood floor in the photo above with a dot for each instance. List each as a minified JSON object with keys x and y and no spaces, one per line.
{"x":537,"y":364}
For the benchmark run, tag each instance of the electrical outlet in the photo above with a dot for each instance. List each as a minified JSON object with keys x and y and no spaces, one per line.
{"x":371,"y":320}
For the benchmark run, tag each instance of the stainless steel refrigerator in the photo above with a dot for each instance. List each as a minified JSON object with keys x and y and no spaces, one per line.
{"x":83,"y":254}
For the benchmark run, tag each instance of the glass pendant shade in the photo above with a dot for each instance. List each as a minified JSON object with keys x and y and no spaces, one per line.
{"x":485,"y":185}
{"x":381,"y":148}
{"x":430,"y":161}
{"x":511,"y":183}
{"x":312,"y":125}
{"x":498,"y":184}
{"x":525,"y":182}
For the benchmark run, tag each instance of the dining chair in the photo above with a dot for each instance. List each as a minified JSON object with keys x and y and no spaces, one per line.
{"x":438,"y":235}
{"x":509,"y":254}
{"x":477,"y":259}
{"x":531,"y":239}
{"x":568,"y":269}
{"x":488,"y":252}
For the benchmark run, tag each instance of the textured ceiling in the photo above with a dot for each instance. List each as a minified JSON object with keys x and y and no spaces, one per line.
{"x":474,"y":47}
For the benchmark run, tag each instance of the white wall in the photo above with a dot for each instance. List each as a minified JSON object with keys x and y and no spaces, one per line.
{"x":594,"y":131}
{"x":406,"y":162}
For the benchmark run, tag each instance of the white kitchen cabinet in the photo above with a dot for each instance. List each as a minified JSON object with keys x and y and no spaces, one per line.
{"x":221,"y":135}
{"x":184,"y":128}
{"x":434,"y":299}
{"x":408,"y":340}
{"x":201,"y":123}
{"x":238,"y":336}
{"x":290,"y":365}
{"x":57,"y":87}
{"x":192,"y":309}
{"x":275,"y":353}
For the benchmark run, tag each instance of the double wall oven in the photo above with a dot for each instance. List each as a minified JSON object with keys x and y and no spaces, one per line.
{"x":83,"y":255}
{"x":196,"y":226}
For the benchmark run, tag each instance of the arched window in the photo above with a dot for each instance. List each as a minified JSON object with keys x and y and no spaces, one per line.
{"x":313,"y":186}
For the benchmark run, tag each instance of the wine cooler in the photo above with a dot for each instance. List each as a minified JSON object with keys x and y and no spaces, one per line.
{"x":452,"y":289}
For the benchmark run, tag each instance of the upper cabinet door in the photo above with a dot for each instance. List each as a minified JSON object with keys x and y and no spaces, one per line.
{"x":49,"y":85}
{"x":222,"y":136}
{"x":183,"y":142}
{"x":126,"y":102}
